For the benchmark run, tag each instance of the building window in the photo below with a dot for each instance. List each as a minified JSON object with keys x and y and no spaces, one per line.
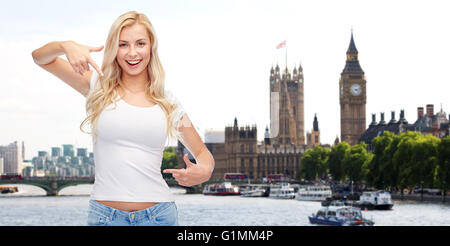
{"x":242,"y":148}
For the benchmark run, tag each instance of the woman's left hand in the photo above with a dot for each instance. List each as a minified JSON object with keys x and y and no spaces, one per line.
{"x":193,"y":174}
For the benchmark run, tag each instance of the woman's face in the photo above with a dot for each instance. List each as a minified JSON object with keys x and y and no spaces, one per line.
{"x":134,"y":50}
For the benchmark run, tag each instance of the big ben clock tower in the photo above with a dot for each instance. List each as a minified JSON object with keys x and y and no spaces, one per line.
{"x":352,"y":97}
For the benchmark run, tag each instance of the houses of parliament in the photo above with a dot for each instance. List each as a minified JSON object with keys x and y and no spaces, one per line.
{"x":237,"y":150}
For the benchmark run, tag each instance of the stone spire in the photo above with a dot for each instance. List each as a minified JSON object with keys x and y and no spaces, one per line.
{"x":352,"y":47}
{"x":315,"y":123}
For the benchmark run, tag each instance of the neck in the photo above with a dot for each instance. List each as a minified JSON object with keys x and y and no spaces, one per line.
{"x":135,"y":83}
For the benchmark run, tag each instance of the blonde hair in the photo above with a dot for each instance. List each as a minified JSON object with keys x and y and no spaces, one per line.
{"x":105,"y":94}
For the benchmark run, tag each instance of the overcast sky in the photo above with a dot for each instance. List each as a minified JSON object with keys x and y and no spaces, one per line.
{"x":218,"y":54}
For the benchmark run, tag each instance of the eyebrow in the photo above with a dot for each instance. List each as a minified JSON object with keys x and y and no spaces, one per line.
{"x":136,"y":40}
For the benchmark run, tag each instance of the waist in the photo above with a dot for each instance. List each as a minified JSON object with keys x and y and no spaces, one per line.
{"x":128,"y":206}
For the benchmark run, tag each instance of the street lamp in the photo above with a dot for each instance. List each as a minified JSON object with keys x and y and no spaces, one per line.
{"x":421,"y":193}
{"x":443,"y":192}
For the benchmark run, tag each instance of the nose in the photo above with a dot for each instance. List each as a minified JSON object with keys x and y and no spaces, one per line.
{"x":132,"y":52}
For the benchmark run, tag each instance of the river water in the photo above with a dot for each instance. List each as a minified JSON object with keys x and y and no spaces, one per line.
{"x":30,"y":206}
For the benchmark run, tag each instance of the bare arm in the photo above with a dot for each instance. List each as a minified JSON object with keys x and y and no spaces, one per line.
{"x":47,"y":53}
{"x":195,"y":145}
{"x":76,"y":72}
{"x":194,"y":173}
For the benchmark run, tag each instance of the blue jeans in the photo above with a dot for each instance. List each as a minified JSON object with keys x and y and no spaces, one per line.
{"x":161,"y":214}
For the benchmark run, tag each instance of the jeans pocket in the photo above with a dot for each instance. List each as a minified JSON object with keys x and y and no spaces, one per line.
{"x":168,"y":216}
{"x":96,"y":218}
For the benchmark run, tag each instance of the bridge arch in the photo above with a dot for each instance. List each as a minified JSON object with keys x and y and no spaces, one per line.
{"x":35,"y":189}
{"x":50,"y":186}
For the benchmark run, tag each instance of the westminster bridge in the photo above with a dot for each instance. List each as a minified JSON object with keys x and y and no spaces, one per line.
{"x":53,"y":185}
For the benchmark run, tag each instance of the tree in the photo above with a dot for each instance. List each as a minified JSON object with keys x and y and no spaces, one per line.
{"x":426,"y":156}
{"x":336,"y":158}
{"x":314,"y":163}
{"x":443,"y":166}
{"x":365,"y":167}
{"x":390,"y":170}
{"x":355,"y":161}
{"x":308,"y":168}
{"x":408,"y":159}
{"x":416,"y":158}
{"x":381,"y":170}
{"x":169,"y":161}
{"x":402,"y":158}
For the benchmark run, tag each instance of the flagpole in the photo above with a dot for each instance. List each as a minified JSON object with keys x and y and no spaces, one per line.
{"x":283,"y":45}
{"x":286,"y":54}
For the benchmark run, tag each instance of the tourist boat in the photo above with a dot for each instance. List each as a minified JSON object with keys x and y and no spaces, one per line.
{"x":380,"y":200}
{"x":223,"y":189}
{"x":330,"y":201}
{"x":313,"y":193}
{"x":254,"y":191}
{"x":339,"y":215}
{"x":283,"y":192}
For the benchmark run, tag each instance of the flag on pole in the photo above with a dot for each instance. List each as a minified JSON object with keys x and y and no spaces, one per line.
{"x":281,"y":45}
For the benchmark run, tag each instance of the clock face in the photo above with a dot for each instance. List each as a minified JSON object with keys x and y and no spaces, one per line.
{"x":355,"y":89}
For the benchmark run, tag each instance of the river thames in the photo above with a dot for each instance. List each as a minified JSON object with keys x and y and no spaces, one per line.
{"x":30,"y":207}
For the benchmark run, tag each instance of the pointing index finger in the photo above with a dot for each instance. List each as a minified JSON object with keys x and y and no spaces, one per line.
{"x":99,"y":71}
{"x":171,"y":171}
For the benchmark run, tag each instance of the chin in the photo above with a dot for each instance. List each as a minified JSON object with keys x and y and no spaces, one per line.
{"x":133,"y":72}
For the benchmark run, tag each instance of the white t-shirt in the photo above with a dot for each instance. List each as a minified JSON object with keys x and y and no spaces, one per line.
{"x":128,"y":152}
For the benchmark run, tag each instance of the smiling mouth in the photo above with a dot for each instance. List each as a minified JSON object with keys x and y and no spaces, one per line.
{"x":133,"y":62}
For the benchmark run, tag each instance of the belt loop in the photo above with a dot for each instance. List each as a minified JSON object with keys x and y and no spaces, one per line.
{"x":149,"y":212}
{"x":112,"y":212}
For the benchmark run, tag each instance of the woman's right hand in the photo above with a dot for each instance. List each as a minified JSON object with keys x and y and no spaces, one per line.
{"x":79,"y":56}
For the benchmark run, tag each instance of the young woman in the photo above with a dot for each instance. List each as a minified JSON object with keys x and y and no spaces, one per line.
{"x":130,"y":115}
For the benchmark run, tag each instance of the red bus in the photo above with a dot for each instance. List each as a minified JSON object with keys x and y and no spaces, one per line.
{"x":276,"y":177}
{"x":235,"y":176}
{"x":11,"y":177}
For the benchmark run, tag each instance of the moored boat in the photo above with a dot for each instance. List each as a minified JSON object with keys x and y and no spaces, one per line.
{"x":222,"y":189}
{"x":282,"y":192}
{"x":313,"y":193}
{"x":254,"y":191}
{"x":330,"y":201}
{"x":379,"y":200}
